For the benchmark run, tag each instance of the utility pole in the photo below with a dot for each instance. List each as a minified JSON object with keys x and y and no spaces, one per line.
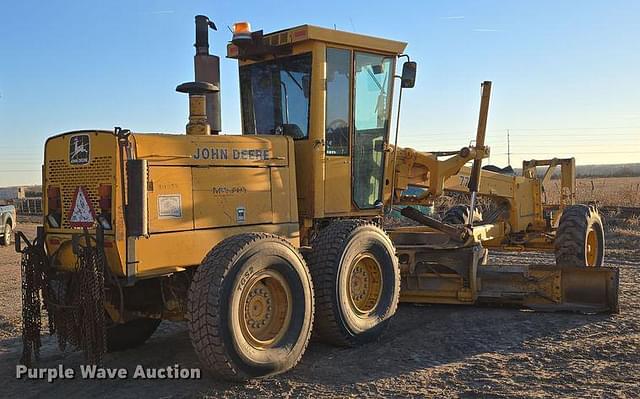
{"x":508,"y":148}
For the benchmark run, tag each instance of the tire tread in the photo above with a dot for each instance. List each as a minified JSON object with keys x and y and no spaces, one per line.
{"x":569,"y":243}
{"x":323,"y":258}
{"x":204,"y":298}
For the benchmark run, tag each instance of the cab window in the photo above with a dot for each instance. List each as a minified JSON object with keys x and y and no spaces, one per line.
{"x":338,"y":104}
{"x":372,"y":94}
{"x":275,"y":96}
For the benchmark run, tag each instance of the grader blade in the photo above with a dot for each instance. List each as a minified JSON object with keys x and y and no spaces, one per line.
{"x":537,"y":287}
{"x":550,"y":288}
{"x":436,"y":270}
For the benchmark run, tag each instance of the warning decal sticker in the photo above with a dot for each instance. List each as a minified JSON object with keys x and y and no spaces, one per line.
{"x":169,"y":206}
{"x":81,"y":213}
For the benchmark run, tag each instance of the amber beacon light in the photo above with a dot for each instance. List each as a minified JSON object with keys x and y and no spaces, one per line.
{"x":241,"y":31}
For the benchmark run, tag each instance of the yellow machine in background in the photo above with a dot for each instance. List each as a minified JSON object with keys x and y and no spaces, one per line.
{"x":255,"y":238}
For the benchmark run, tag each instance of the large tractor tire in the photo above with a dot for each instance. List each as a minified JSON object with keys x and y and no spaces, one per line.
{"x":357,"y":282}
{"x":7,"y":235}
{"x":580,"y":237}
{"x":130,"y":334}
{"x":459,"y":214}
{"x":250,"y":307}
{"x":120,"y":336}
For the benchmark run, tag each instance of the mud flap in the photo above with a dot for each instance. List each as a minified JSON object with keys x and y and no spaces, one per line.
{"x":550,"y":288}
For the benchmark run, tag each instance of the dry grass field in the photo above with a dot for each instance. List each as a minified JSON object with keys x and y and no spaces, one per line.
{"x":623,"y":231}
{"x":605,"y":191}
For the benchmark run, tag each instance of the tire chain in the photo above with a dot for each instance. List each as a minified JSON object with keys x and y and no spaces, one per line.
{"x":89,"y":305}
{"x":75,"y":309}
{"x":34,"y":282}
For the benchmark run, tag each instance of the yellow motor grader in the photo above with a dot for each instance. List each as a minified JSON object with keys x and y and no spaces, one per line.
{"x":256,"y":239}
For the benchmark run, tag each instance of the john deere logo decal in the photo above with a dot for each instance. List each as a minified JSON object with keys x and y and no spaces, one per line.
{"x":81,"y":212}
{"x":79,"y":150}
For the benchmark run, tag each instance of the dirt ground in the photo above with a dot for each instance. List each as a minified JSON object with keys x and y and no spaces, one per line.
{"x":443,"y":351}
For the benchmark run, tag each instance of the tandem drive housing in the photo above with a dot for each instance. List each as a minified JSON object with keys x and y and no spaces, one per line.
{"x":92,"y":372}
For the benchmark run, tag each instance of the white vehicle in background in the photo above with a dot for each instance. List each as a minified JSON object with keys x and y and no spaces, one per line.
{"x":7,"y":224}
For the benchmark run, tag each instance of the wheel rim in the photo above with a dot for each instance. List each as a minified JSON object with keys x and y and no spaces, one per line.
{"x":364,"y":284}
{"x":7,"y":235}
{"x":592,"y":247}
{"x":266,"y":309}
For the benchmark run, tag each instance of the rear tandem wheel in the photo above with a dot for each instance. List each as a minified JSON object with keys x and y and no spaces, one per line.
{"x":130,"y":334}
{"x":250,"y":307}
{"x":356,"y":281}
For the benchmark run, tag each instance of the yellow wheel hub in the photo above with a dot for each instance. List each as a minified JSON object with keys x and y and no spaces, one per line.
{"x":266,"y":309}
{"x":364,"y":284}
{"x":592,"y":247}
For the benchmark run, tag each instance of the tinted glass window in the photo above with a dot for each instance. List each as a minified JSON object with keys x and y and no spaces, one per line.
{"x":338,"y":104}
{"x":372,"y":85}
{"x":275,"y":96}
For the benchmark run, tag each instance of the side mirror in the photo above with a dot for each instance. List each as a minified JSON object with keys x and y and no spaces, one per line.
{"x":409,"y":74}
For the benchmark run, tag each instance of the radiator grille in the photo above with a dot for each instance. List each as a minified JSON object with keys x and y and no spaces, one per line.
{"x":69,"y":178}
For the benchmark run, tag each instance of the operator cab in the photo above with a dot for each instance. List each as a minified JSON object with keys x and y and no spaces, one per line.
{"x":331,"y":91}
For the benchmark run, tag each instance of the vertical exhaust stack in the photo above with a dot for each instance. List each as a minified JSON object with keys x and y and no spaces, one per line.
{"x":207,"y":69}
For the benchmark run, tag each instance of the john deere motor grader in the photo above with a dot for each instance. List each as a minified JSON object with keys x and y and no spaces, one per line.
{"x":254,"y":239}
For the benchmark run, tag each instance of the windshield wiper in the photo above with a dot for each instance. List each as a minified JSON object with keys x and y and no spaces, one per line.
{"x":294,"y":79}
{"x":286,"y":101}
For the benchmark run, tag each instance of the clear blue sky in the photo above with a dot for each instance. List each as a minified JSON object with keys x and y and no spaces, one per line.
{"x":566,"y":73}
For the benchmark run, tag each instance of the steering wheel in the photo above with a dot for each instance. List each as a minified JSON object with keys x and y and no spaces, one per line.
{"x":336,"y":124}
{"x":337,"y":134}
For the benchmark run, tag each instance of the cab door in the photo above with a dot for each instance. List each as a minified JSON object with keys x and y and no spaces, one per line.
{"x":373,"y":78}
{"x":337,"y":182}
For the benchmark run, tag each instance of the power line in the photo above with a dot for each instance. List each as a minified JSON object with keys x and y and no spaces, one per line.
{"x":551,"y":128}
{"x":438,"y":134}
{"x":570,"y":152}
{"x":579,"y":128}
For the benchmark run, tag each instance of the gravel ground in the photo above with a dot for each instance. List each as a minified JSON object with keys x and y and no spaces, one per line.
{"x":451,"y":351}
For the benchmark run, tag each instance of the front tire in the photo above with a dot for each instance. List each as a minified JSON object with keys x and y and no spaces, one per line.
{"x":580,"y":237}
{"x":357,"y":282}
{"x":7,"y":236}
{"x":250,"y":307}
